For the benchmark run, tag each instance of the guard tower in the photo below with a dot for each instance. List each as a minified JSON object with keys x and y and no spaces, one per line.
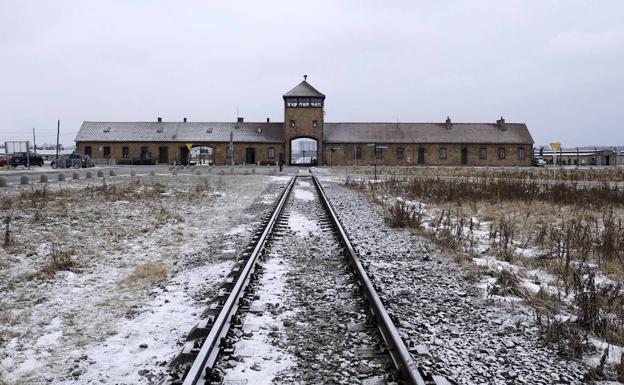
{"x":303,"y":125}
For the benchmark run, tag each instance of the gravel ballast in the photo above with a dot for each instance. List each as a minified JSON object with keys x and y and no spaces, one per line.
{"x":452,"y":328}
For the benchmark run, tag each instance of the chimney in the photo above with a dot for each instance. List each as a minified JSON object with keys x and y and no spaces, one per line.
{"x":184,"y":120}
{"x":448,"y":123}
{"x":240,"y":120}
{"x":501,"y":124}
{"x":268,"y":120}
{"x":159,"y":119}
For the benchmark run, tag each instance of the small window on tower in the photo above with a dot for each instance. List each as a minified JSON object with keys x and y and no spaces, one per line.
{"x":292,"y":123}
{"x":315,"y":123}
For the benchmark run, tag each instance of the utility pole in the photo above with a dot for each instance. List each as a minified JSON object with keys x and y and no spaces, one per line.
{"x":34,"y":141}
{"x":232,"y":147}
{"x":58,"y":132}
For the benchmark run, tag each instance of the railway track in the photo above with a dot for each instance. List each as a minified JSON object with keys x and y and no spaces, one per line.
{"x":298,"y":307}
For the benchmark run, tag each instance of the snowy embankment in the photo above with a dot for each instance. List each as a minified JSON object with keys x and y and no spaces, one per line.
{"x":453,"y":329}
{"x":100,"y":280}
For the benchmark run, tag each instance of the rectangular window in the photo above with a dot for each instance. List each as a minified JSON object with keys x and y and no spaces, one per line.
{"x":378,"y":152}
{"x":125,"y":152}
{"x":521,"y":153}
{"x":501,"y":153}
{"x":483,"y":153}
{"x":271,"y":153}
{"x":106,"y":151}
{"x":400,"y":153}
{"x":143,"y":152}
{"x":358,"y":153}
{"x":315,"y":123}
{"x":316,"y":102}
{"x":442,"y":153}
{"x":292,"y":123}
{"x":88,"y":150}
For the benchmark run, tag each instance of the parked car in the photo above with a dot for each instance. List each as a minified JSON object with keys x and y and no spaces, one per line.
{"x":25,"y":159}
{"x":73,"y":161}
{"x":3,"y":161}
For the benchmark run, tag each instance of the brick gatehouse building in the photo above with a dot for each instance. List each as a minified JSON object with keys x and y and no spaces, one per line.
{"x":305,"y":138}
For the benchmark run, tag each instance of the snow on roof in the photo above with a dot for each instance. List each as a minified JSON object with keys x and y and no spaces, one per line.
{"x":515,"y":133}
{"x":180,"y":132}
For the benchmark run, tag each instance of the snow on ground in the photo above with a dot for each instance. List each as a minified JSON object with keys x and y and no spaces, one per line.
{"x":145,"y":254}
{"x":260,"y":360}
{"x":462,"y":334}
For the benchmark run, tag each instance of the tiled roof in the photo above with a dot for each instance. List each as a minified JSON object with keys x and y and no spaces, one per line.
{"x":188,"y":132}
{"x":191,"y":132}
{"x":426,"y":133}
{"x":304,"y":89}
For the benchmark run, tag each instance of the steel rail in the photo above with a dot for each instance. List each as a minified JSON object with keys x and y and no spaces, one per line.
{"x":210,"y":349}
{"x":396,"y":348}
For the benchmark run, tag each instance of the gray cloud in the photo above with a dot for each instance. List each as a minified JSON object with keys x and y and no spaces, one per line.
{"x":555,"y":65}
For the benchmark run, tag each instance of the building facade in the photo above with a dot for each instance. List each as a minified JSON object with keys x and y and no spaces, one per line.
{"x":304,"y":138}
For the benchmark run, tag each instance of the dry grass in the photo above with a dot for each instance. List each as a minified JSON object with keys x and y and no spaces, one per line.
{"x":60,"y":260}
{"x":147,"y":273}
{"x":573,"y":227}
{"x":507,"y":284}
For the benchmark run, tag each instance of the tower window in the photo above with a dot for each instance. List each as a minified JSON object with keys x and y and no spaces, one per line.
{"x":316,"y":102}
{"x":292,"y":123}
{"x":315,"y":123}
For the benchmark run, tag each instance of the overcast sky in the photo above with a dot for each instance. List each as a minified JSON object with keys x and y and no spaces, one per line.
{"x":556,"y":65}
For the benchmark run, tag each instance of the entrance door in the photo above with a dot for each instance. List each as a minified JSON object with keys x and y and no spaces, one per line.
{"x":464,"y":156}
{"x":163,"y":155}
{"x":421,"y":155}
{"x":250,"y":155}
{"x":184,"y":155}
{"x":303,"y":152}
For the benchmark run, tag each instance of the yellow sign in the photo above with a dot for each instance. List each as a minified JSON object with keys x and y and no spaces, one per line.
{"x":189,"y":146}
{"x":555,"y":146}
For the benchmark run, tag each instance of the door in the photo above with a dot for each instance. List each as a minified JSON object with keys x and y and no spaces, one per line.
{"x":464,"y":156}
{"x":163,"y":155}
{"x":421,"y":155}
{"x":250,"y":155}
{"x":184,"y":155}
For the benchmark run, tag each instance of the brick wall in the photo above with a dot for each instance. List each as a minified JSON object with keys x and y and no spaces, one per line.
{"x":343,"y":154}
{"x":304,"y":118}
{"x":175,"y":151}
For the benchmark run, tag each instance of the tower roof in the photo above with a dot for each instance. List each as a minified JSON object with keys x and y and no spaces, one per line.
{"x":304,"y":90}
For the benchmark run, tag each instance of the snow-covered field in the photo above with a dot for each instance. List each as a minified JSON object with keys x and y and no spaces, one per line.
{"x":100,"y":280}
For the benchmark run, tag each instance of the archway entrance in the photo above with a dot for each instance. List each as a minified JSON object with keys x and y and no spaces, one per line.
{"x":303,"y":152}
{"x":201,"y":155}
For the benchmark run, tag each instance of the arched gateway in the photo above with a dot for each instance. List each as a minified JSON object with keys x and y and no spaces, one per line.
{"x":303,"y":124}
